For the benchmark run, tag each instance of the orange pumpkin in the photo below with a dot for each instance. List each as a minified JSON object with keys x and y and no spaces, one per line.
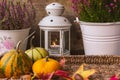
{"x":45,"y":66}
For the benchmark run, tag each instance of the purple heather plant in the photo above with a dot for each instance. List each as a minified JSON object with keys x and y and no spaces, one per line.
{"x":97,"y":10}
{"x":16,"y":15}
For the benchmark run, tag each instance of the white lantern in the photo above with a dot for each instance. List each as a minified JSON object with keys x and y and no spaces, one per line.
{"x":55,"y":28}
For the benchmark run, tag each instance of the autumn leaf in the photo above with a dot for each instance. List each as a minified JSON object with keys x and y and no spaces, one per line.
{"x":83,"y":73}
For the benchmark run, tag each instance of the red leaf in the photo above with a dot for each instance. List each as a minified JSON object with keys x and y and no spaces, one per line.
{"x":63,"y":74}
{"x":44,"y":77}
{"x":114,"y":78}
{"x":50,"y":77}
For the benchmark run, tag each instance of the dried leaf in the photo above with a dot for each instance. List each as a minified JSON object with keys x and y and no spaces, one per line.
{"x":84,"y":73}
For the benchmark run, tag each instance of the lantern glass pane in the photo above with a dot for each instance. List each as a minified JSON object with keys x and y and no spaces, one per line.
{"x":42,"y":38}
{"x":55,"y":39}
{"x":66,"y":36}
{"x":54,"y":42}
{"x":66,"y":42}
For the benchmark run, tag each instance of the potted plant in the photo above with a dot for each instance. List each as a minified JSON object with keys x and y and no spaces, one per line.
{"x":100,"y":25}
{"x":16,"y":19}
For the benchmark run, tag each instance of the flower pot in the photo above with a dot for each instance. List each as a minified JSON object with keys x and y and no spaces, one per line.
{"x":101,"y":38}
{"x":9,"y":39}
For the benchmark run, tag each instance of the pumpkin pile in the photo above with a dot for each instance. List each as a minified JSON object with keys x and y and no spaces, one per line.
{"x":16,"y":63}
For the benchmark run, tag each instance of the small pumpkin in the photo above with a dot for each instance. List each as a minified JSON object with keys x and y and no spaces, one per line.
{"x":36,"y":53}
{"x":15,"y":63}
{"x":45,"y":66}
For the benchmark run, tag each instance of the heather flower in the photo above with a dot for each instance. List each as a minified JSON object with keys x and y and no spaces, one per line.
{"x":16,"y":15}
{"x":115,"y":0}
{"x":111,"y":4}
{"x":97,"y":10}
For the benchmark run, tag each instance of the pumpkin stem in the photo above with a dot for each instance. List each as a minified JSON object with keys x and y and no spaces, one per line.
{"x":33,"y":77}
{"x":18,"y":45}
{"x":31,"y":40}
{"x":46,"y":59}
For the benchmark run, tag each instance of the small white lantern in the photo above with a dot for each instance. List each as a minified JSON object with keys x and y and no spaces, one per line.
{"x":55,"y":27}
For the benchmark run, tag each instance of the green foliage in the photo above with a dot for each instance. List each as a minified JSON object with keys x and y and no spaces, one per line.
{"x":97,"y":10}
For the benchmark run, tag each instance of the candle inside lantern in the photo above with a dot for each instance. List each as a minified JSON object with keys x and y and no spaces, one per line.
{"x":54,"y":45}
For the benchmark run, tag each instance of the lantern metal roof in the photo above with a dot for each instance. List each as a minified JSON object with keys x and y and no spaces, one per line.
{"x":54,"y":21}
{"x":55,"y":9}
{"x":54,"y":18}
{"x":54,"y":5}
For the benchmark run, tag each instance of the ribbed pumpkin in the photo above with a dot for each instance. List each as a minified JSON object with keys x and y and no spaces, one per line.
{"x":15,"y":63}
{"x":36,"y":53}
{"x":45,"y":66}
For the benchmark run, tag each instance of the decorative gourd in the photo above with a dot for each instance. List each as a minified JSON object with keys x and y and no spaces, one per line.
{"x":45,"y":66}
{"x":15,"y":63}
{"x":36,"y":53}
